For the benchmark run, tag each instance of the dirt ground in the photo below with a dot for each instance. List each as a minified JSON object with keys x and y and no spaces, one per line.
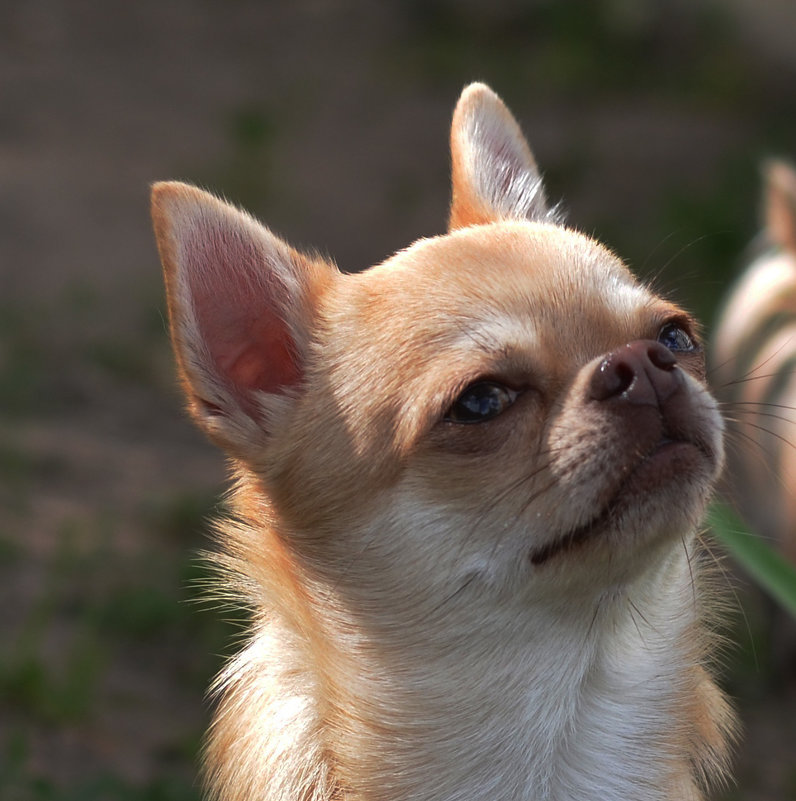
{"x":328,"y":120}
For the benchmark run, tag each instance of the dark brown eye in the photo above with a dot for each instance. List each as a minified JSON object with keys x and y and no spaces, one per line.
{"x":676,"y":338}
{"x":480,"y":402}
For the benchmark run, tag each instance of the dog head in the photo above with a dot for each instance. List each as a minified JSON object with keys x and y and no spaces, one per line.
{"x":498,"y":407}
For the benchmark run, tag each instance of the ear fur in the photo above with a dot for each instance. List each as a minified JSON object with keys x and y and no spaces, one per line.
{"x":240,"y":306}
{"x":780,"y":202}
{"x":494,"y":173}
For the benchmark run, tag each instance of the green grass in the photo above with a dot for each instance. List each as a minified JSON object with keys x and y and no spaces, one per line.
{"x":96,"y":608}
{"x":20,"y":782}
{"x":772,"y":572}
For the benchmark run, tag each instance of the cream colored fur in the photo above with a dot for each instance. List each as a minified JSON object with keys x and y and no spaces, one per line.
{"x":504,"y":610}
{"x":754,"y":355}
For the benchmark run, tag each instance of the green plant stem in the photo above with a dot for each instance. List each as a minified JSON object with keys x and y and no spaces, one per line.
{"x":772,"y":571}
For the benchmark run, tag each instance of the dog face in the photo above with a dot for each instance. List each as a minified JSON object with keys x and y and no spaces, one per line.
{"x":504,"y":403}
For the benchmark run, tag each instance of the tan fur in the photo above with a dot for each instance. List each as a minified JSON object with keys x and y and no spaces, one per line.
{"x":507,"y":609}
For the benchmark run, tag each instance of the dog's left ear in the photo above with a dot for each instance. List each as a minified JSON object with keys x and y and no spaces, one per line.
{"x":241,"y":307}
{"x":494,"y":174}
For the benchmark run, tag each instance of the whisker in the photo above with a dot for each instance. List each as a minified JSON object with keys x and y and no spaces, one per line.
{"x":499,"y":500}
{"x":763,"y":453}
{"x":729,"y":581}
{"x":470,"y":579}
{"x":774,"y":434}
{"x":633,"y":612}
{"x":684,"y":249}
{"x":750,"y":374}
{"x":690,"y":571}
{"x":751,"y":414}
{"x":765,"y":404}
{"x":641,"y":615}
{"x":594,"y":616}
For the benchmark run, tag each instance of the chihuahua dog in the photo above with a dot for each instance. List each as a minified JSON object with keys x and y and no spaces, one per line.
{"x":469,"y":483}
{"x":755,"y":355}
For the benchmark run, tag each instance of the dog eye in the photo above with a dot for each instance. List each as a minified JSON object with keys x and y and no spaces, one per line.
{"x":676,"y":338}
{"x":481,"y":401}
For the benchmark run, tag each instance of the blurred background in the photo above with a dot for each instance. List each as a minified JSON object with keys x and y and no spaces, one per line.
{"x":329,"y":120}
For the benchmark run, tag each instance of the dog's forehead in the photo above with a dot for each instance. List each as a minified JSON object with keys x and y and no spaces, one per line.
{"x":507,"y":282}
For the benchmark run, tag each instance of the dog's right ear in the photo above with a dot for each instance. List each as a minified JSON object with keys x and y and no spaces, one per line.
{"x":240,"y":307}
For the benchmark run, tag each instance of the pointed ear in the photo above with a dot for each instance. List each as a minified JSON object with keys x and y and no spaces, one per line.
{"x":241,"y":304}
{"x":780,"y":204}
{"x":494,"y":174}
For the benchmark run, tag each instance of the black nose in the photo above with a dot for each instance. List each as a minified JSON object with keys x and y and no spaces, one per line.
{"x":641,"y":372}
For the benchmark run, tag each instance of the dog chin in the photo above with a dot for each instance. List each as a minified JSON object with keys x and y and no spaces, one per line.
{"x":662,"y":496}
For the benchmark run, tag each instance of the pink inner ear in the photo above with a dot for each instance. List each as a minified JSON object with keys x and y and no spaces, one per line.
{"x":239,"y":303}
{"x":264,"y":360}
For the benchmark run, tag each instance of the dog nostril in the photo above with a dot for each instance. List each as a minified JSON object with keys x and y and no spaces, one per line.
{"x":661,"y":357}
{"x":641,"y":373}
{"x":614,"y":376}
{"x":625,"y":375}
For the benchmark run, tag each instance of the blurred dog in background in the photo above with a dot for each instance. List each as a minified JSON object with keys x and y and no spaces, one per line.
{"x":754,"y":371}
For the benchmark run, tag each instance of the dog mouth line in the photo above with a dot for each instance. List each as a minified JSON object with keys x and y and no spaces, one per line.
{"x":587,"y":531}
{"x":575,"y":537}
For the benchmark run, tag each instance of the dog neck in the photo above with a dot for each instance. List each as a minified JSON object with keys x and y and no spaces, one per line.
{"x":589,"y":696}
{"x":566,"y":701}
